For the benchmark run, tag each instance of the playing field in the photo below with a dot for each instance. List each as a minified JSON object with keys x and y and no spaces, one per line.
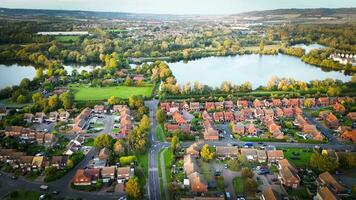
{"x":85,"y":93}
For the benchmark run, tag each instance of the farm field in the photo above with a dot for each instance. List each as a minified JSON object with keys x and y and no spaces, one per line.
{"x":86,"y":93}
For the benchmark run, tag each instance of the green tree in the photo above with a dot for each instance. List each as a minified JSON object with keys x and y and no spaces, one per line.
{"x":53,"y":102}
{"x":322,"y":163}
{"x":247,"y":172}
{"x":21,"y":99}
{"x":103,"y":140}
{"x":25,"y":83}
{"x":160,"y":116}
{"x":174,"y":143}
{"x":234,"y":164}
{"x":128,"y":82}
{"x":70,"y":164}
{"x":145,"y":123}
{"x":113,"y":100}
{"x":206,"y":153}
{"x":262,"y":45}
{"x":250,"y":186}
{"x":39,"y":72}
{"x":133,"y":189}
{"x":66,"y":99}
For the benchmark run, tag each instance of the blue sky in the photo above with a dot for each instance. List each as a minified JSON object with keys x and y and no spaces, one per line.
{"x":176,"y":6}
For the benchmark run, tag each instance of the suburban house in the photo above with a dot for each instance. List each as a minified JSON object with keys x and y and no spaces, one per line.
{"x":185,"y":128}
{"x":86,"y":176}
{"x":39,"y":117}
{"x":124,"y":174}
{"x":209,"y":105}
{"x":194,"y":149}
{"x":288,"y":174}
{"x":349,"y":135}
{"x":64,"y":116}
{"x":324,"y":193}
{"x":352,"y":116}
{"x":275,"y":155}
{"x":99,"y":109}
{"x":60,"y":162}
{"x":251,"y":154}
{"x":339,"y":108}
{"x":242,"y":103}
{"x":323,"y":101}
{"x":327,"y":180}
{"x":270,"y":194}
{"x":53,"y":117}
{"x":38,"y":162}
{"x":178,"y":118}
{"x":28,"y":117}
{"x":331,"y":121}
{"x":210,"y":133}
{"x":276,"y":102}
{"x":261,"y":156}
{"x":108,"y":174}
{"x":194,"y":106}
{"x":81,"y":120}
{"x":198,"y":183}
{"x":223,"y":152}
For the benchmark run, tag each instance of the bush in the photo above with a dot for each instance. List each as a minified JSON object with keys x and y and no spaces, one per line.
{"x":126,"y":160}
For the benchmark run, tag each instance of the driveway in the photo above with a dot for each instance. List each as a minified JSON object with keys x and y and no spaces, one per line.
{"x":228,"y":176}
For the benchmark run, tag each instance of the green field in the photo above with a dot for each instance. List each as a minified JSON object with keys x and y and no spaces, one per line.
{"x":303,"y":156}
{"x":238,"y":184}
{"x":86,"y":93}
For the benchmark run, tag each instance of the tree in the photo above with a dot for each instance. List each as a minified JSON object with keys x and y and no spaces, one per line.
{"x":119,"y":147}
{"x":262,"y":45}
{"x":206,"y":153}
{"x":21,"y":99}
{"x":247,"y":172}
{"x":25,"y":83}
{"x":70,"y":163}
{"x":113,"y":100}
{"x":308,"y":103}
{"x":145,"y":123}
{"x":234,"y":164}
{"x":102,"y":141}
{"x":133,"y":190}
{"x":174,"y":143}
{"x":53,"y":101}
{"x":322,"y":163}
{"x":160,"y":116}
{"x":250,"y":186}
{"x":66,"y":99}
{"x":39,"y":72}
{"x":128,"y":81}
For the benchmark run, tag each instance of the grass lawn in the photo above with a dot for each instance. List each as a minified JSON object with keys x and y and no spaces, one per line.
{"x":257,"y":139}
{"x":85,"y":93}
{"x":159,"y":133}
{"x":22,"y":194}
{"x":66,"y":38}
{"x":238,"y":184}
{"x":89,"y":142}
{"x":142,"y":160}
{"x":304,"y":156}
{"x":168,"y":159}
{"x":160,"y":174}
{"x":206,"y":170}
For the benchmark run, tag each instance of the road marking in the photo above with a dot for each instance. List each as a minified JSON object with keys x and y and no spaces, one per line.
{"x":153,"y":169}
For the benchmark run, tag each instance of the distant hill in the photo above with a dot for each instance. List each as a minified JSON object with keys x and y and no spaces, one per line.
{"x":80,"y":14}
{"x":322,"y":12}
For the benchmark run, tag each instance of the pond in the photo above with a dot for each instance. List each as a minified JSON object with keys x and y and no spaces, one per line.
{"x":257,"y":69}
{"x":13,"y":74}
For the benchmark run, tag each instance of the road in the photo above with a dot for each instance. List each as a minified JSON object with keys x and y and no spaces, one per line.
{"x":153,"y":176}
{"x":325,"y":131}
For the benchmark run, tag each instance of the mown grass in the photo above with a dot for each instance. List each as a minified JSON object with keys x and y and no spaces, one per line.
{"x":86,"y":93}
{"x":299,"y":157}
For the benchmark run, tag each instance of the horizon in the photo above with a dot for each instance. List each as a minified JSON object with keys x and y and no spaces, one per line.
{"x":224,"y":7}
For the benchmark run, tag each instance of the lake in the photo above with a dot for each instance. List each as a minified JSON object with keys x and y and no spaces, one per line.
{"x":257,"y":69}
{"x":13,"y":74}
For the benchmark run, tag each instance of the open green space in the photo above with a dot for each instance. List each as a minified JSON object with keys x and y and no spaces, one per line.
{"x":205,"y":170}
{"x":299,"y":157}
{"x":159,"y":133}
{"x":142,"y":160}
{"x":168,"y":159}
{"x":238,"y":185}
{"x":87,"y":93}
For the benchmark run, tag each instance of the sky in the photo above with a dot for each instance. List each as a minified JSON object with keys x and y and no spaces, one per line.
{"x":206,"y":7}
